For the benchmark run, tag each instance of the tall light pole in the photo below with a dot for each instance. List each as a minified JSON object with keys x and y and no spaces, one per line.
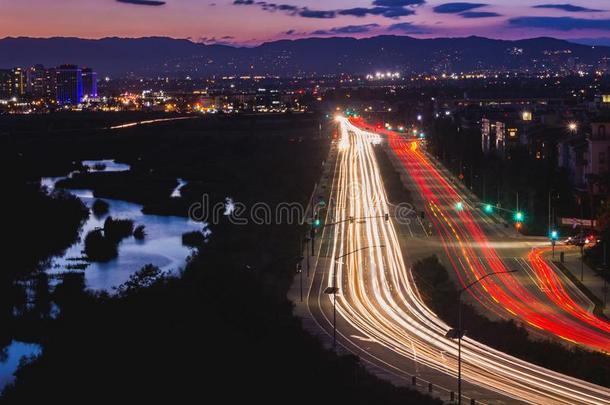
{"x":299,"y":271}
{"x":333,"y":291}
{"x":582,"y":241}
{"x":459,"y":332}
{"x":605,"y":265}
{"x":550,"y":226}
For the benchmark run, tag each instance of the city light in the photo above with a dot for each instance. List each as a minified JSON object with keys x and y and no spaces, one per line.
{"x":385,"y":236}
{"x":573,"y":127}
{"x":383,"y":76}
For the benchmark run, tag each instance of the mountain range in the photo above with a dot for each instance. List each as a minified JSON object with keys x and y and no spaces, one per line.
{"x":152,"y":56}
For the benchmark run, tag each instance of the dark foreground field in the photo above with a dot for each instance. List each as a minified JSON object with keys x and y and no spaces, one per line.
{"x":221,"y":332}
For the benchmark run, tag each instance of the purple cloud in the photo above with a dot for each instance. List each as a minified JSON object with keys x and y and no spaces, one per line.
{"x":384,"y":8}
{"x":407,"y":28}
{"x":479,"y":14}
{"x":143,"y":2}
{"x":348,"y":29}
{"x":455,"y":8}
{"x":567,"y":7}
{"x":560,"y":23}
{"x":389,"y":12}
{"x":398,"y":3}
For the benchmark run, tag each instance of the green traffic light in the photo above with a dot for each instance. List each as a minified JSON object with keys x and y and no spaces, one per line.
{"x":317,"y":223}
{"x":488,"y":208}
{"x":519,"y":216}
{"x":459,"y":206}
{"x":554,"y":235}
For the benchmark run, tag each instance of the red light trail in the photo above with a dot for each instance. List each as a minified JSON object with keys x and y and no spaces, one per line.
{"x":470,"y":253}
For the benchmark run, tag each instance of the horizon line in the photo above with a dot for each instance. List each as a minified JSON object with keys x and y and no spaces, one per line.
{"x":253,"y":45}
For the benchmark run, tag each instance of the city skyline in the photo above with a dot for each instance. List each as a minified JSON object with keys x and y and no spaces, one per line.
{"x":207,"y":21}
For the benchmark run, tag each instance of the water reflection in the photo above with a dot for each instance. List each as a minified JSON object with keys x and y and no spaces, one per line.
{"x":10,"y":358}
{"x":177,"y":191}
{"x":105,"y":165}
{"x":162,"y":246}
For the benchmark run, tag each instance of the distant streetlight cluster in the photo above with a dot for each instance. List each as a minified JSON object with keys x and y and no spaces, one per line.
{"x":383,"y":76}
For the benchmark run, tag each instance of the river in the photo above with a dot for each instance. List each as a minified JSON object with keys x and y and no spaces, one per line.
{"x":162,"y":246}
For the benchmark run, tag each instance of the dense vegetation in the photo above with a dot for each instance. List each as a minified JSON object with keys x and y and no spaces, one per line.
{"x":441,"y":295}
{"x":498,"y":181}
{"x":100,"y":208}
{"x":36,"y":225}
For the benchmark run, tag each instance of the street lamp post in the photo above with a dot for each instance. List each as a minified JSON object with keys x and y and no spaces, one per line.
{"x":307,"y":241}
{"x":582,"y":262}
{"x":605,"y":265}
{"x":334,"y":290}
{"x":300,"y":272}
{"x":459,"y":332}
{"x":582,"y":242}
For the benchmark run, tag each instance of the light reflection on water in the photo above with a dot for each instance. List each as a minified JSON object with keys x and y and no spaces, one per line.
{"x":178,"y":190}
{"x":10,"y":357}
{"x":162,"y":246}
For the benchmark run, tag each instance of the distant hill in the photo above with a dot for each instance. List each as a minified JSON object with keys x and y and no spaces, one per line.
{"x":592,"y":41}
{"x":167,"y":56}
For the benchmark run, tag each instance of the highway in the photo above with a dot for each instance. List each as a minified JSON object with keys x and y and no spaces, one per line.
{"x":380,"y":315}
{"x":534,"y":295}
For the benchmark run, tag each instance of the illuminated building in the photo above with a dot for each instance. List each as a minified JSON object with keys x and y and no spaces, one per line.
{"x":50,"y":84}
{"x":5,"y":83}
{"x":89,"y":78}
{"x":598,"y":153}
{"x":69,"y":85}
{"x":12,"y":83}
{"x":18,"y":82}
{"x":35,"y":81}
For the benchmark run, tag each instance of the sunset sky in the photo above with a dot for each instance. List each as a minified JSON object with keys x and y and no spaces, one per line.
{"x":251,"y":21}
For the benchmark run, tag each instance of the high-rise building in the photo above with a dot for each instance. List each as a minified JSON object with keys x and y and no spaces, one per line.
{"x":50,"y":85}
{"x":35,"y":81}
{"x":69,"y":85}
{"x":5,"y":83}
{"x":12,"y":83}
{"x":89,"y":83}
{"x":18,"y":82}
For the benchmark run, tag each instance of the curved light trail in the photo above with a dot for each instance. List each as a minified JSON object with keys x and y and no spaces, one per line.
{"x":506,"y":292}
{"x":378,"y":297}
{"x":547,"y":306}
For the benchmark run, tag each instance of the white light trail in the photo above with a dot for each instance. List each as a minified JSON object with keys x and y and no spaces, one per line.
{"x":379,"y":299}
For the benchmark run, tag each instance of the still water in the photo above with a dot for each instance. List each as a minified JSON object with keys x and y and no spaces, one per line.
{"x":162,"y":246}
{"x":10,"y":358}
